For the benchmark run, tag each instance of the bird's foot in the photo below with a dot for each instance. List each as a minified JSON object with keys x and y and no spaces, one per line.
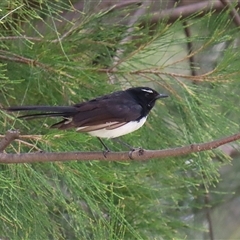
{"x":140,"y":152}
{"x":106,"y":149}
{"x":105,"y":152}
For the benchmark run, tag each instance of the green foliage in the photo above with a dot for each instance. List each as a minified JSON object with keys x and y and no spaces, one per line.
{"x":63,"y":64}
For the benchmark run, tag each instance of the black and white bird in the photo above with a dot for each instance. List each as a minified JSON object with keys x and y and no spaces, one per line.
{"x":108,"y":116}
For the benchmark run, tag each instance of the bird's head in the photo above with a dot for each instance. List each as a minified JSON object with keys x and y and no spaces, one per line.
{"x":146,"y":96}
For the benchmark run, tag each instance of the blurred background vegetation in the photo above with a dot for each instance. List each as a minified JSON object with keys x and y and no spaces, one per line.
{"x":64,"y":52}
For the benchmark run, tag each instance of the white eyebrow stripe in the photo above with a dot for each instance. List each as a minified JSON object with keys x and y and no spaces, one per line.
{"x":147,"y":90}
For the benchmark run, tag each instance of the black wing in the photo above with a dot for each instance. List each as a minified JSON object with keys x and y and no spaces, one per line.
{"x":104,"y":112}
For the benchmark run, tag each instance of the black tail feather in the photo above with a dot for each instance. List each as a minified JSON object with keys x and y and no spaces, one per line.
{"x":42,"y":115}
{"x":41,"y":108}
{"x":45,"y":111}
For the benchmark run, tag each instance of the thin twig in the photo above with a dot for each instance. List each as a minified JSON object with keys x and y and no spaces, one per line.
{"x":22,"y":37}
{"x":233,"y":12}
{"x":34,"y":137}
{"x":32,"y":146}
{"x":208,"y":216}
{"x":190,"y":48}
{"x":17,"y":58}
{"x":203,"y":77}
{"x":115,"y":156}
{"x":120,"y":5}
{"x":10,"y":12}
{"x":10,"y":136}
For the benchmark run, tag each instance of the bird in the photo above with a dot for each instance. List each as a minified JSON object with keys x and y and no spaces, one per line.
{"x":109,"y":116}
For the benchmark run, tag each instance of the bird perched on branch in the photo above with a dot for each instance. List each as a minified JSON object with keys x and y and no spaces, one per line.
{"x":108,"y":116}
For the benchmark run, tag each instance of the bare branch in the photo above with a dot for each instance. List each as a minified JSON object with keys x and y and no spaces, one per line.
{"x":115,"y":156}
{"x":8,"y":138}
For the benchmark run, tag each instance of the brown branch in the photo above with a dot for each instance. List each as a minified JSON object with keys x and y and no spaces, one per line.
{"x":115,"y":156}
{"x":233,"y":12}
{"x":8,"y":138}
{"x":173,"y":14}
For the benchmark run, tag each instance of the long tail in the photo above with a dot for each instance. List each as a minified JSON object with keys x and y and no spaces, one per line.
{"x":45,"y":111}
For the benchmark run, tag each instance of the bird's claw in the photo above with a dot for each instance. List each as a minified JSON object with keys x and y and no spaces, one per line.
{"x":140,"y":152}
{"x":105,"y":152}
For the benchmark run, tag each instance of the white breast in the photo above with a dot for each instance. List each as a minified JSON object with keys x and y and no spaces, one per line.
{"x":117,"y":132}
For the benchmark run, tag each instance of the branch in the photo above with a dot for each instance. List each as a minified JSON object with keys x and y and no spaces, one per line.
{"x":121,"y":5}
{"x":233,"y":12}
{"x":139,"y":154}
{"x":208,"y":215}
{"x":33,"y":137}
{"x":187,"y":32}
{"x":206,"y":77}
{"x":173,"y":14}
{"x":8,"y":138}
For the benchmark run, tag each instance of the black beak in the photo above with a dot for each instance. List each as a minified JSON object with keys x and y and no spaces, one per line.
{"x":161,"y":96}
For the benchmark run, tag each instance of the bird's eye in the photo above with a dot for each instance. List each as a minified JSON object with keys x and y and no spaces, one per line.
{"x":147,"y":94}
